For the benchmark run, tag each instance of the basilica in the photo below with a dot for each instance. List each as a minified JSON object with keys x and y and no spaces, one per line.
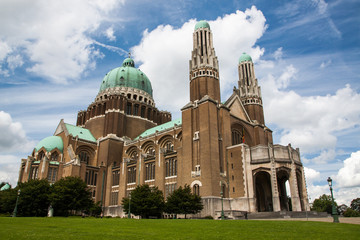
{"x":222,"y":150}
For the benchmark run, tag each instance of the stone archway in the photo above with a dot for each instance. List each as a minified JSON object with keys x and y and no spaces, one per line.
{"x":282,"y":177}
{"x":263,"y":193}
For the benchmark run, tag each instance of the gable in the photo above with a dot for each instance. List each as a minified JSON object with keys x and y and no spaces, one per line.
{"x":236,"y":108}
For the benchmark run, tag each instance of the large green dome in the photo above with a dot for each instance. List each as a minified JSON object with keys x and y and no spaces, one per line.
{"x":245,"y":58}
{"x":50,"y":143}
{"x":202,"y":24}
{"x":126,"y":76}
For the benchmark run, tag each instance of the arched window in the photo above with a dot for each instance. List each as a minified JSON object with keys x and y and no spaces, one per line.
{"x":84,"y":157}
{"x":54,"y":156}
{"x":41,"y":155}
{"x":196,"y":189}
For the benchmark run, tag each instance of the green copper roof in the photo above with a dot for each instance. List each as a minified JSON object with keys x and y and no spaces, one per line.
{"x":82,"y":133}
{"x":245,"y":57}
{"x":5,"y":187}
{"x":126,"y":76}
{"x":202,"y":24}
{"x":128,"y":62}
{"x":159,"y":128}
{"x":50,"y":143}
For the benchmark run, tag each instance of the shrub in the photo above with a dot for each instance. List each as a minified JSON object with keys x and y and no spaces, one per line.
{"x":351,"y":213}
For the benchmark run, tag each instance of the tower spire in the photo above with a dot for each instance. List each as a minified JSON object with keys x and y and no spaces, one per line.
{"x":250,"y":92}
{"x":204,"y":66}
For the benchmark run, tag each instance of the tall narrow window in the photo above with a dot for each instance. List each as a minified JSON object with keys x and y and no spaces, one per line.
{"x":52,"y":174}
{"x":196,"y":189}
{"x":136,"y":110}
{"x":132,"y":174}
{"x":171,"y":167}
{"x":143,"y":111}
{"x":84,"y":157}
{"x":54,"y":156}
{"x":150,"y":171}
{"x":91,"y":177}
{"x":128,"y":108}
{"x":115,"y":178}
{"x":34,"y":172}
{"x":41,"y":155}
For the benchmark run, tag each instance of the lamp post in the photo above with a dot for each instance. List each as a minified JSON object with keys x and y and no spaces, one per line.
{"x":16,"y":204}
{"x":222,"y":202}
{"x":129,"y":213}
{"x":334,"y":211}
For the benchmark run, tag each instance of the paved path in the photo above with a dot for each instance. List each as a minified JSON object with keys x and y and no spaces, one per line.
{"x":352,"y":220}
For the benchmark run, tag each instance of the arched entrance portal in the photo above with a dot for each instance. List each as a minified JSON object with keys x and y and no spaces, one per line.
{"x":282,"y":178}
{"x":263,"y":192}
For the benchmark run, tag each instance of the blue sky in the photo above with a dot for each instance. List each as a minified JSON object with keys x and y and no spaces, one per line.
{"x":54,"y":55}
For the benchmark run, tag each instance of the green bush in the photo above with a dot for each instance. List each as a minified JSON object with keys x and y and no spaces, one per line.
{"x":351,"y":213}
{"x":208,"y":217}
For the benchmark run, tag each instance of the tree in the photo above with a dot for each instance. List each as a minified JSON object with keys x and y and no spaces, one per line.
{"x":7,"y":201}
{"x":323,"y":204}
{"x":145,"y":201}
{"x":351,"y":213}
{"x":182,"y":201}
{"x":355,"y":204}
{"x":34,"y":198}
{"x":70,"y":193}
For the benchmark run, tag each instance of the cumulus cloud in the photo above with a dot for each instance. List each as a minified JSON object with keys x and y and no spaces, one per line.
{"x":164,"y":53}
{"x":349,"y":175}
{"x":311,"y":175}
{"x":309,"y":122}
{"x":54,"y":37}
{"x":13,"y":136}
{"x":9,"y":169}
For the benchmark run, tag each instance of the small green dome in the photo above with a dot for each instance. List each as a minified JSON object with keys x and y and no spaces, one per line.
{"x":202,"y":24}
{"x":245,"y":58}
{"x":126,"y":76}
{"x":128,"y":63}
{"x":50,"y":143}
{"x":5,"y":187}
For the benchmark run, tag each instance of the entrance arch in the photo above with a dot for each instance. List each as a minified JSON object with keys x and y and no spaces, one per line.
{"x":283,"y":177}
{"x":263,"y":193}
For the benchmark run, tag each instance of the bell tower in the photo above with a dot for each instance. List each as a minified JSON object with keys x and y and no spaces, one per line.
{"x":204,"y":66}
{"x":203,"y":120}
{"x":250,"y":92}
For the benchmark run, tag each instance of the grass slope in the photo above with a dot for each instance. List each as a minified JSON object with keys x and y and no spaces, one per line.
{"x":94,"y":228}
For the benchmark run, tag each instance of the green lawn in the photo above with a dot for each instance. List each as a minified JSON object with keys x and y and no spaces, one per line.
{"x":115,"y":228}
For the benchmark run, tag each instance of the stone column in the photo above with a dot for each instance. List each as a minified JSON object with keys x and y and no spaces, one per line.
{"x":274,"y":185}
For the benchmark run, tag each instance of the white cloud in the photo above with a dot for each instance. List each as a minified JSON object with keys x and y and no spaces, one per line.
{"x":349,"y":175}
{"x":278,"y":53}
{"x":13,"y":136}
{"x":311,"y":175}
{"x":9,"y":169}
{"x":165,"y":53}
{"x":54,"y":37}
{"x":321,"y":6}
{"x":308,"y":122}
{"x":109,"y":33}
{"x":324,"y":156}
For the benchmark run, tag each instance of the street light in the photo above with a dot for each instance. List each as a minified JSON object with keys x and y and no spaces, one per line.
{"x":16,"y":204}
{"x":129,"y":213}
{"x":222,"y":201}
{"x":334,"y":211}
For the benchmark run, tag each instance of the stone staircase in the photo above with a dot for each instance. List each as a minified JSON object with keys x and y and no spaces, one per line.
{"x":287,"y":214}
